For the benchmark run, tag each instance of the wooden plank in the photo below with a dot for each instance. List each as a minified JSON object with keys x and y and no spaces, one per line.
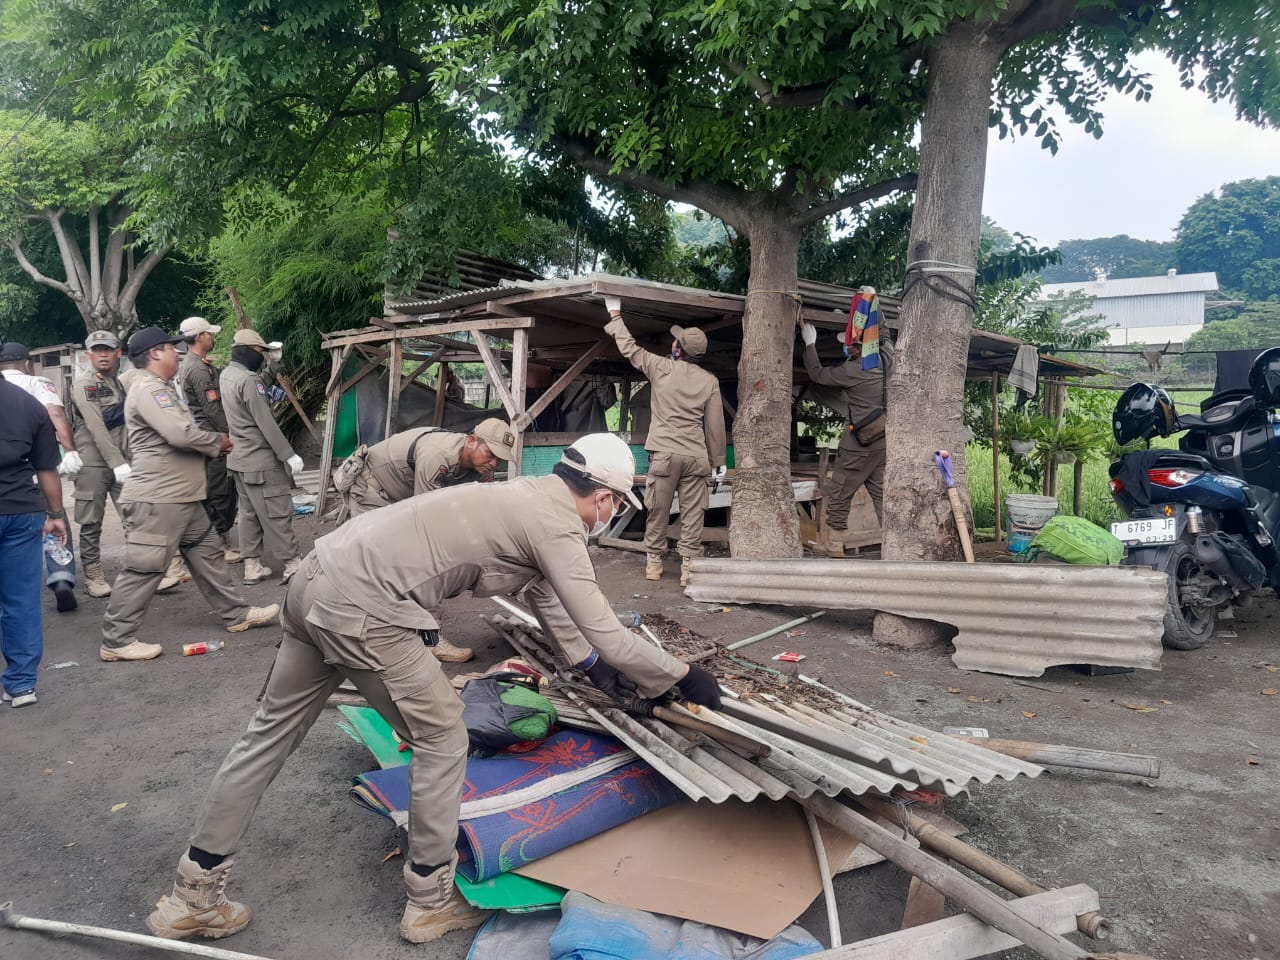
{"x":333,"y":397}
{"x":442,"y":378}
{"x":432,"y":329}
{"x":667,"y":293}
{"x":561,"y":382}
{"x":371,"y":365}
{"x":417,"y":371}
{"x":287,"y":387}
{"x":394,"y":365}
{"x":496,"y":377}
{"x":519,"y":377}
{"x":995,"y":450}
{"x":966,"y":937}
{"x":924,"y":905}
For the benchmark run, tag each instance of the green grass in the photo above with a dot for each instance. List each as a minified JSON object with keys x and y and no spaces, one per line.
{"x":1096,"y":503}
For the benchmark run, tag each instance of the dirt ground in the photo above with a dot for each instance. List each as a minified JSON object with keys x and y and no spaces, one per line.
{"x":1188,"y":865}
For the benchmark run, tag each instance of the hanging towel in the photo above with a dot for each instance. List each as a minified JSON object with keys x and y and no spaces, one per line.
{"x":864,"y":326}
{"x":1025,"y":374}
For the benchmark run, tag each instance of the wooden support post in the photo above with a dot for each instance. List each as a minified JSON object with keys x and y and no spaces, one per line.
{"x":562,"y":381}
{"x":496,"y":377}
{"x":442,"y":379}
{"x":287,"y":387}
{"x":1077,"y":481}
{"x":333,"y":398}
{"x":995,"y":451}
{"x":969,"y":894}
{"x":394,"y":363}
{"x":519,"y":376}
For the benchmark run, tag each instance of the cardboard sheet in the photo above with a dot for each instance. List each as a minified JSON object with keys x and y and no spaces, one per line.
{"x":747,"y":867}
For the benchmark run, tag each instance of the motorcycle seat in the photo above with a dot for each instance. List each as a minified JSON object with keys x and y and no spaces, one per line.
{"x":1219,"y":419}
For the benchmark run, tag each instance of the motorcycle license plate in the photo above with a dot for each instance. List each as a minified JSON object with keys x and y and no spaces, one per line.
{"x":1160,"y":530}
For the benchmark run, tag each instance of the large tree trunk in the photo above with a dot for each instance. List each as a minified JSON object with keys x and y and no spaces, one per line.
{"x":764,"y":524}
{"x":926,"y":391}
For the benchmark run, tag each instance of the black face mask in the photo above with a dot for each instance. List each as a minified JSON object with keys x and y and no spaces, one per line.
{"x":247,"y":357}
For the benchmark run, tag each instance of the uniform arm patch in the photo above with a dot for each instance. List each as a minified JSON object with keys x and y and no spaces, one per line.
{"x":211,"y":396}
{"x":164,"y":399}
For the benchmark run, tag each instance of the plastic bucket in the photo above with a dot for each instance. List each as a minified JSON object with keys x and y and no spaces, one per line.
{"x":1020,"y":540}
{"x":1029,"y":509}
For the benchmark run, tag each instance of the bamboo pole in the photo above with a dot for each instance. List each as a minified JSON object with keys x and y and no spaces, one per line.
{"x":333,"y":399}
{"x":995,"y":451}
{"x":1092,"y":924}
{"x":442,"y":380}
{"x":969,"y":894}
{"x":394,"y":362}
{"x":519,"y":376}
{"x":1058,"y":755}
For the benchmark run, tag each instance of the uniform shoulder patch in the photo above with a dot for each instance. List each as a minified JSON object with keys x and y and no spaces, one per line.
{"x":164,"y":399}
{"x":262,"y":390}
{"x":211,"y":395}
{"x":442,"y":473}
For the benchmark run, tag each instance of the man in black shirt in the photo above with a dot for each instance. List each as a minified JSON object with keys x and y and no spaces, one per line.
{"x":28,"y":511}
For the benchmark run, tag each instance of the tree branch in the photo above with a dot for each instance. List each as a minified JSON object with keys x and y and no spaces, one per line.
{"x":95,"y":264}
{"x":854,"y":197}
{"x":113,"y":256}
{"x":15,"y":244}
{"x":72,"y":262}
{"x":1025,"y":19}
{"x":129,"y":295}
{"x":719,"y":200}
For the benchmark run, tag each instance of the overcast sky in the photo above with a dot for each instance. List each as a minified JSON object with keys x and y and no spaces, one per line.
{"x":1154,"y":160}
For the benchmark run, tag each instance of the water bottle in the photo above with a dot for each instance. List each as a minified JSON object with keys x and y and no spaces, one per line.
{"x":57,"y":552}
{"x":629,"y":619}
{"x":195,"y":649}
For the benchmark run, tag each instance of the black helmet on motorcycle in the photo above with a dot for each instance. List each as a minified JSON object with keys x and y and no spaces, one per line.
{"x":1142,"y":412}
{"x":1264,"y":378}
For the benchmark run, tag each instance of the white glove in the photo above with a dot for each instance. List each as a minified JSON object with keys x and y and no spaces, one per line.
{"x":613,"y":304}
{"x":71,"y":464}
{"x":122,"y":472}
{"x":294,"y":464}
{"x":275,"y":351}
{"x":719,"y":473}
{"x":808,"y":333}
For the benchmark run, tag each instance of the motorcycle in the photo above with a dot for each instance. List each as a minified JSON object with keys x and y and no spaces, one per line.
{"x":1208,"y":513}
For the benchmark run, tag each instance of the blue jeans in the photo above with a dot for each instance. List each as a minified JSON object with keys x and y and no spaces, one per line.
{"x":21,"y":574}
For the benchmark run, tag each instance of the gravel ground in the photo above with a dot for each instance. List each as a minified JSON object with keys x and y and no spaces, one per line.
{"x":1188,"y":865}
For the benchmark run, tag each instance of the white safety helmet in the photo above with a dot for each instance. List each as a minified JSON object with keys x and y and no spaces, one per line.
{"x":607,"y":460}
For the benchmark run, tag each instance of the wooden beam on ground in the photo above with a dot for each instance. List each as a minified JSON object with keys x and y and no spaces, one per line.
{"x":432,"y":329}
{"x":394,"y":364}
{"x":496,"y":377}
{"x":924,"y":905}
{"x":965,"y":937}
{"x":562,"y":381}
{"x":519,"y":377}
{"x":967,"y":893}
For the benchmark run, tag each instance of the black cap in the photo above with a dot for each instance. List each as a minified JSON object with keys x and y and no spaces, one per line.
{"x":13,"y":351}
{"x":148,"y":338}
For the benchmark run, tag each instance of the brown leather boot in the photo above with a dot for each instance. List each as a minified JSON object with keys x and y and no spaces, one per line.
{"x":686,"y":570}
{"x":835,"y":543}
{"x":653,"y":566}
{"x":435,"y":907}
{"x":198,"y":905}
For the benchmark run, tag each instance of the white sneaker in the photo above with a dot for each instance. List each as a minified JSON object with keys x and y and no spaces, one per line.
{"x":21,"y":700}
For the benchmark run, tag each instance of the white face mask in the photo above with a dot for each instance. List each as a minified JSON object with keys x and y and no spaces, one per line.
{"x":600,"y":526}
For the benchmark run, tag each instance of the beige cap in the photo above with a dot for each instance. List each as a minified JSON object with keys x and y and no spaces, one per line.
{"x":607,"y":460}
{"x":194,"y":326}
{"x":102,"y":338}
{"x":497,"y":436}
{"x":249,"y":338}
{"x":691,"y":339}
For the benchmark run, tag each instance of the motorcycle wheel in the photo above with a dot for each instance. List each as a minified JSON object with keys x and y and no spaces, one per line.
{"x":1187,"y":626}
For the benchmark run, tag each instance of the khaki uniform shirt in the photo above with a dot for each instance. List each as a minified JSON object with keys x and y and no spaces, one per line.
{"x":859,"y":391}
{"x":686,"y":416}
{"x":97,"y":418}
{"x":259,"y":444}
{"x":167,"y":449}
{"x":494,"y":539}
{"x":198,"y":380}
{"x":417,"y":461}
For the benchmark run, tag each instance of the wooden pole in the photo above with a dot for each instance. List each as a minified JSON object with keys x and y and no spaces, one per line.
{"x":242,"y":318}
{"x":287,"y":387}
{"x":519,"y":376}
{"x":969,"y":894}
{"x":995,"y":452}
{"x":333,"y":398}
{"x":442,"y":379}
{"x":394,"y":362}
{"x":1077,"y":481}
{"x":624,"y":405}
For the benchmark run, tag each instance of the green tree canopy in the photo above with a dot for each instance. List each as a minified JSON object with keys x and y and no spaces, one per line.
{"x":1118,"y":257}
{"x":1235,"y":232}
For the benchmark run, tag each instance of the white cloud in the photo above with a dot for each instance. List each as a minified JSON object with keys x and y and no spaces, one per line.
{"x":1153,"y":161}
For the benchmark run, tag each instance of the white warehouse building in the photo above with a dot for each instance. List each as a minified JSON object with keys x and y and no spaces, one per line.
{"x":1147,"y":310}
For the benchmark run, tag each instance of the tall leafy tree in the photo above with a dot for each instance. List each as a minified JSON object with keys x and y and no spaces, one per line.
{"x":1235,"y":232}
{"x":1118,"y":257}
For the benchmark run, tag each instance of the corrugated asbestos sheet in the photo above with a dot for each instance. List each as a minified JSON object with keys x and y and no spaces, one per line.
{"x":1014,"y":619}
{"x":893,"y":753}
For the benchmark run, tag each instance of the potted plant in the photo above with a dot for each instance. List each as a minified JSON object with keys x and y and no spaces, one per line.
{"x":1021,"y":432}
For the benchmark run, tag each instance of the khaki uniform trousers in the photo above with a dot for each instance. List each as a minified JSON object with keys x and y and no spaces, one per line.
{"x":266,"y":514}
{"x":855,"y":466}
{"x":154,"y":532}
{"x":327,"y":639}
{"x":221,"y":498}
{"x":669,"y":473}
{"x":93,"y":486}
{"x":365,"y":494}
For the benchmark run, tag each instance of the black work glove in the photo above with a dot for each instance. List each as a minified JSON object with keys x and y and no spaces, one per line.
{"x":700,"y":687}
{"x":617,"y":685}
